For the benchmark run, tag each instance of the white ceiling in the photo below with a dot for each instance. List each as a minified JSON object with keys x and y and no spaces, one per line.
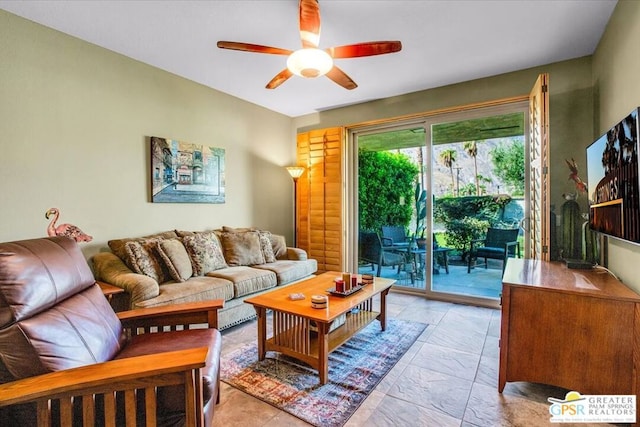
{"x":444,"y":42}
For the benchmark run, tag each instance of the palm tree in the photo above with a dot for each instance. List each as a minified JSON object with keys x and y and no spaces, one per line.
{"x":472,"y":150}
{"x":448,"y":158}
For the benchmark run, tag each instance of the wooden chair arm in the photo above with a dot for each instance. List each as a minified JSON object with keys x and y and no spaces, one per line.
{"x":99,"y":378}
{"x":172,"y":315}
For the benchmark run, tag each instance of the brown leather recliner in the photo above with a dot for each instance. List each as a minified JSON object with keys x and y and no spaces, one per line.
{"x":64,"y":349}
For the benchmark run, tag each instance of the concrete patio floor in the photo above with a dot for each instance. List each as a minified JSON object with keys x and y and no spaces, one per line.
{"x":480,"y":282}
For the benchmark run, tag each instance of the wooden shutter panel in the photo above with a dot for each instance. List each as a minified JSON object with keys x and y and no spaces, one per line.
{"x":319,"y":213}
{"x":539,"y":209}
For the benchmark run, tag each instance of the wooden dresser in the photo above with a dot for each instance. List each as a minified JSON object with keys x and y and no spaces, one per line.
{"x":576,"y":329}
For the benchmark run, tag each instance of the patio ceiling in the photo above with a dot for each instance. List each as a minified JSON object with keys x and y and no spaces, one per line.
{"x":502,"y":126}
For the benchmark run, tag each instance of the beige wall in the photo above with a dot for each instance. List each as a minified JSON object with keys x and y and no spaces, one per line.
{"x":74,"y":126}
{"x":616,"y":82}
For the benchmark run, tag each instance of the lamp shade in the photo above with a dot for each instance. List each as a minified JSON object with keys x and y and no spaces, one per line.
{"x":309,"y":62}
{"x":295,"y":171}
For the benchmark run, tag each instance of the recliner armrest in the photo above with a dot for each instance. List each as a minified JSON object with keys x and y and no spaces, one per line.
{"x":108,"y":377}
{"x":172,"y":315}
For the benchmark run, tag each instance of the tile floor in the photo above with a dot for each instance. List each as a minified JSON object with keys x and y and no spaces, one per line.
{"x":447,"y":378}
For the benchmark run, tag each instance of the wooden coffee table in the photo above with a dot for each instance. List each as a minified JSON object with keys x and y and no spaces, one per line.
{"x":293,"y":321}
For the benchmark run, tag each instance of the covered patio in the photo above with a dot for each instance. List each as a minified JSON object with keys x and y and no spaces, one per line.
{"x":481,"y":282}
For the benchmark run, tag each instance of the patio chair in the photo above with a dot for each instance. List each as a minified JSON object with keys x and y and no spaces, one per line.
{"x":66,"y":358}
{"x":395,"y":236}
{"x":371,"y":250}
{"x":498,"y":244}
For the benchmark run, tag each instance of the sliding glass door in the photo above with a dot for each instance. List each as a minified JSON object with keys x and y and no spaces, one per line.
{"x":478,"y":187}
{"x":391,"y":195}
{"x":424,"y":190}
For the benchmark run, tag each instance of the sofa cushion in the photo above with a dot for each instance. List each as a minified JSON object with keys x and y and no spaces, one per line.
{"x":117,"y":245}
{"x":205,"y":252}
{"x":242,"y":248}
{"x":196,"y":289}
{"x":176,"y":259}
{"x":289,"y":271}
{"x":246,"y":280}
{"x":143,"y":258}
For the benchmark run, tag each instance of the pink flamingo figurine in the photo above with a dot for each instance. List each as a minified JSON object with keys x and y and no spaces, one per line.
{"x":68,"y":230}
{"x":581,"y":186}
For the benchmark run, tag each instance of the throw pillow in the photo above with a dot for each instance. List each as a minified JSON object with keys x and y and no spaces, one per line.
{"x":143,"y":258}
{"x":176,"y":259}
{"x":183,"y":233}
{"x":279,"y":246}
{"x":238,"y":230}
{"x":117,"y":245}
{"x":242,"y":248}
{"x":205,"y":252}
{"x":265,"y":241}
{"x":265,"y":245}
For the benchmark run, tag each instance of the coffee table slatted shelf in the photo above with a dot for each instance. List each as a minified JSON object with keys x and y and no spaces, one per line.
{"x":298,"y":340}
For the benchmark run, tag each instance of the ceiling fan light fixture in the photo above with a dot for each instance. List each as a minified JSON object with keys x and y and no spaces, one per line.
{"x":309,"y":62}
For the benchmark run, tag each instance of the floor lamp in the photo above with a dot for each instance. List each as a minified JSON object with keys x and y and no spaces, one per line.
{"x":295,"y":172}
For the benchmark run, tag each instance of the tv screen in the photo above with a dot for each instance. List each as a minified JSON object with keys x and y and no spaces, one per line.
{"x":612,"y":181}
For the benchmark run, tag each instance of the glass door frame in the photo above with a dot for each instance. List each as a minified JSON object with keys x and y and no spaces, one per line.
{"x":351,"y":193}
{"x":427,"y":120}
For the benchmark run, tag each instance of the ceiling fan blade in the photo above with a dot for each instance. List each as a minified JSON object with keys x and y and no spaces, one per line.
{"x":248,"y":47}
{"x":310,"y":23}
{"x":280,"y":78}
{"x":364,"y":49}
{"x":340,"y":77}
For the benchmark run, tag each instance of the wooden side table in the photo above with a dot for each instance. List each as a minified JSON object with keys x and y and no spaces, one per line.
{"x":109,"y":290}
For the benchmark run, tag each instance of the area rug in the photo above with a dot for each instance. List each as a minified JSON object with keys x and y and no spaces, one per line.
{"x":355,"y":368}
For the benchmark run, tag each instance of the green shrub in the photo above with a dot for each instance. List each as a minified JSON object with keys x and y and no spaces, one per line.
{"x":467,"y":218}
{"x":385,"y":178}
{"x":460,"y":232}
{"x":488,"y":208}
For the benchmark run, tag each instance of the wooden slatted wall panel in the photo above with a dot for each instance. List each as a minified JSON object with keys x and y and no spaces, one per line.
{"x":302,"y":202}
{"x":539,"y":205}
{"x":320,"y":197}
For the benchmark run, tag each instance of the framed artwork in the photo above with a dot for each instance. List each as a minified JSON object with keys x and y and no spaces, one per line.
{"x":186,"y":173}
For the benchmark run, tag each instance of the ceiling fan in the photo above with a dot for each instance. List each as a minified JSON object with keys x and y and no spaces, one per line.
{"x":310,"y":61}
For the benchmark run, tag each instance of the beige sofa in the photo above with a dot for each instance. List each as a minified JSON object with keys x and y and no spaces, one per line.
{"x":182,"y":266}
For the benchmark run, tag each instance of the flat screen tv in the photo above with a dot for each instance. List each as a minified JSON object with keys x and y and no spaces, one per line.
{"x":612,"y":181}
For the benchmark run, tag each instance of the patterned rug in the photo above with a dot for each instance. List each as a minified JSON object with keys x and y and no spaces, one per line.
{"x":355,"y":368}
